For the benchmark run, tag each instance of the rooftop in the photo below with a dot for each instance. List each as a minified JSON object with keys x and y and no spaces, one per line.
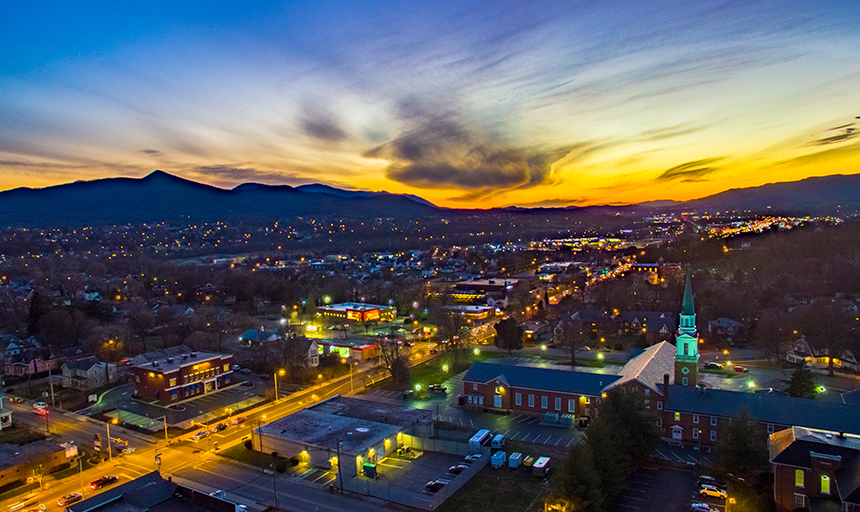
{"x":169,"y":364}
{"x":374,"y":411}
{"x":649,"y":366}
{"x":566,"y":381}
{"x":12,"y":455}
{"x":353,"y":306}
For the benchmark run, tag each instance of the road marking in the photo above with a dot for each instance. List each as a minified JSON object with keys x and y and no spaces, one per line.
{"x":627,"y":506}
{"x":635,"y":490}
{"x":390,"y":465}
{"x":570,"y":443}
{"x":662,"y":455}
{"x":470,"y":423}
{"x":559,"y":440}
{"x":516,"y":417}
{"x":461,"y":421}
{"x":633,"y":498}
{"x":513,"y":437}
{"x":535,"y":420}
{"x":526,"y":437}
{"x":676,"y":456}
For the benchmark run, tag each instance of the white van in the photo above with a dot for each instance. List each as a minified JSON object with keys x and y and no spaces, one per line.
{"x":499,"y":441}
{"x":40,"y":405}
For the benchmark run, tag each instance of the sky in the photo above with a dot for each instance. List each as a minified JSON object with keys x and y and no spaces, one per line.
{"x":468,"y":104}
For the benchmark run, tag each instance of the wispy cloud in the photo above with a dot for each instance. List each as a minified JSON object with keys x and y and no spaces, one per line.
{"x":692,"y":171}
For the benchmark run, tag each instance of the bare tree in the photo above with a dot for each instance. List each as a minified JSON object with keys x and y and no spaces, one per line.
{"x":570,"y":335}
{"x":394,"y":356}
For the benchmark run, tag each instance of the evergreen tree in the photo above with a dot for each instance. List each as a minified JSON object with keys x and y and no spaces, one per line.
{"x":741,"y":450}
{"x":802,"y":383}
{"x":577,"y":484}
{"x":509,"y":335}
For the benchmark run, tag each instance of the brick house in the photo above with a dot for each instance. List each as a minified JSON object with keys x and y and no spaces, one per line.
{"x":87,"y":374}
{"x":182,"y":376}
{"x":815,"y":470}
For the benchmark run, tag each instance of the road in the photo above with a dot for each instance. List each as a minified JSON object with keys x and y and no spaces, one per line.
{"x":195,"y":462}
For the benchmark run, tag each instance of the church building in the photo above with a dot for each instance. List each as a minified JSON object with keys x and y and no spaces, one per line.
{"x":687,"y":342}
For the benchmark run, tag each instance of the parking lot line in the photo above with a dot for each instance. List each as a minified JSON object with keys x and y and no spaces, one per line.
{"x":534,"y":420}
{"x":662,"y":455}
{"x":461,"y":421}
{"x":559,"y":440}
{"x":524,"y":419}
{"x":570,"y":443}
{"x":627,"y":506}
{"x":526,"y":437}
{"x":470,"y":423}
{"x":517,"y":417}
{"x":320,"y":477}
{"x":678,"y":457}
{"x":514,"y":437}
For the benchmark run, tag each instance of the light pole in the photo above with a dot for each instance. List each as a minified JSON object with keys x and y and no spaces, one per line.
{"x":279,"y":372}
{"x":339,"y":467}
{"x":109,"y":439}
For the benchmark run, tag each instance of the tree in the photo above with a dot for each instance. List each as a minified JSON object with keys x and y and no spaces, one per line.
{"x":576,"y":487}
{"x":741,"y":450}
{"x":773,"y":334}
{"x":802,"y":383}
{"x":393,"y":355}
{"x":509,"y":335}
{"x":571,"y":336}
{"x":828,"y":324}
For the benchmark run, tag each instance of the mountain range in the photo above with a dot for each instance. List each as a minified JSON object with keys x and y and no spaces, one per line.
{"x":160,"y":196}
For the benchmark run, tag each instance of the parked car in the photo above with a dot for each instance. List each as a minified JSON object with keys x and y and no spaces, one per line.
{"x":709,"y":480}
{"x":245,"y":370}
{"x":236,"y":367}
{"x":103,"y":481}
{"x":741,"y":369}
{"x":218,"y":428}
{"x":16,"y":400}
{"x":472,"y":458}
{"x":439,"y":388}
{"x":435,"y":485}
{"x":240,"y":419}
{"x":434,"y":351}
{"x":407,"y":394}
{"x":713,"y":491}
{"x":703,"y":507}
{"x":69,"y":498}
{"x":459,"y":468}
{"x":200,"y":435}
{"x":40,"y":405}
{"x":713,"y":366}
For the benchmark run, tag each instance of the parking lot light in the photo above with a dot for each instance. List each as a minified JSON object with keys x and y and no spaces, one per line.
{"x":445,"y":367}
{"x":477,"y":351}
{"x":417,"y":387}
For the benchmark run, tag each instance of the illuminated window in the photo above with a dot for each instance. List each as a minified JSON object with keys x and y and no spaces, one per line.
{"x":474,"y":386}
{"x":825,"y":484}
{"x":677,"y":416}
{"x":226,"y":367}
{"x":173,"y":382}
{"x":798,"y":478}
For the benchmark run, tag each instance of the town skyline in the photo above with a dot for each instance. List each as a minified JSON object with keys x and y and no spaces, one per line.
{"x":466,"y":106}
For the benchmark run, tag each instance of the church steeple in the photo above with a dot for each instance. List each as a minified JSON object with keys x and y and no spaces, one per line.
{"x":687,"y":341}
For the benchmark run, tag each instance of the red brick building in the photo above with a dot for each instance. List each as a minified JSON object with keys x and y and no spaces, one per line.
{"x":183,"y":376}
{"x":815,"y":470}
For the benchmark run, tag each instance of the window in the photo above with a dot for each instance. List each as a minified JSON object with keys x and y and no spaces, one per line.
{"x":825,"y":484}
{"x":226,"y":367}
{"x":686,"y":349}
{"x":798,"y":478}
{"x":648,"y":404}
{"x":659,"y":405}
{"x":799,"y":501}
{"x":647,"y":392}
{"x":137,"y":378}
{"x":173,"y":382}
{"x":587,"y":400}
{"x":474,"y":386}
{"x":713,"y":435}
{"x":677,"y":416}
{"x":518,"y":399}
{"x":531,"y":400}
{"x":660,"y":422}
{"x":558,"y":404}
{"x":713,"y":421}
{"x":695,"y":418}
{"x":770,"y":428}
{"x":695,"y":433}
{"x":684,"y":381}
{"x":543,"y":402}
{"x":571,"y":405}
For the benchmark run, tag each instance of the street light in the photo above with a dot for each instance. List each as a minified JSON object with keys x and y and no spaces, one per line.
{"x":275,"y":378}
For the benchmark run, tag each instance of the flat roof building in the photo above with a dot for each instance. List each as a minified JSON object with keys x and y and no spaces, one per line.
{"x":362,"y":431}
{"x":357,"y":312}
{"x":171,"y":379}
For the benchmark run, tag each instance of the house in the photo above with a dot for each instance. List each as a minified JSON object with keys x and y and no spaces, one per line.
{"x":818,"y":357}
{"x":655,"y":326}
{"x":28,"y":357}
{"x":87,"y":374}
{"x":258,"y":337}
{"x":815,"y":470}
{"x":725,"y":328}
{"x":309,"y":349}
{"x":5,"y":415}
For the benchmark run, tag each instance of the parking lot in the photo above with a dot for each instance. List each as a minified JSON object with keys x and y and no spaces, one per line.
{"x":660,"y":489}
{"x":685,"y":454}
{"x":413,"y":473}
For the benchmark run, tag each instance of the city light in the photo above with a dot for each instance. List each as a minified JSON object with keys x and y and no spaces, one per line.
{"x":751,"y":384}
{"x":477,"y":351}
{"x":445,"y":367}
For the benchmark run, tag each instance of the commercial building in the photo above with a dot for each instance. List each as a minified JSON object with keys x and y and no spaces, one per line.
{"x":362,"y":431}
{"x":357,"y":312}
{"x":18,"y":463}
{"x":815,"y":470}
{"x":152,"y":493}
{"x":355,"y":350}
{"x":183,"y":376}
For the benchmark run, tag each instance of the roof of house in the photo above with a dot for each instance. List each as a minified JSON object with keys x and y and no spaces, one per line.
{"x":258,"y":336}
{"x":648,"y":367}
{"x":566,"y":381}
{"x":795,"y":446}
{"x":765,"y":408}
{"x":82,"y":364}
{"x":653,"y":319}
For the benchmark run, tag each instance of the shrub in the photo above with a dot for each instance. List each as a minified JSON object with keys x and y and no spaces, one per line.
{"x":249,"y":445}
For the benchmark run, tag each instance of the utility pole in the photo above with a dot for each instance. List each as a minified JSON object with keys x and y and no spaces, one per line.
{"x":260,"y":433}
{"x":339,"y":467}
{"x":51,"y":382}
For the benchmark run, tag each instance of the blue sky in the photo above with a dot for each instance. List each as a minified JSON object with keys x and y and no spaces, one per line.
{"x":470,"y":104}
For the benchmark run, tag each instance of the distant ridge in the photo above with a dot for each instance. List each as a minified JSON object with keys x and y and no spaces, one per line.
{"x":160,"y":196}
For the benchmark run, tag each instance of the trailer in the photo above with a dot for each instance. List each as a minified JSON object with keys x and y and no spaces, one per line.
{"x":480,"y":438}
{"x":541,"y":466}
{"x":498,"y":459}
{"x":499,"y":441}
{"x":515,"y":460}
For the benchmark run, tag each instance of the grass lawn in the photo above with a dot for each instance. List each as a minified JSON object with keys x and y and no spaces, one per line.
{"x":499,"y":490}
{"x":433,"y":372}
{"x":726,"y":374}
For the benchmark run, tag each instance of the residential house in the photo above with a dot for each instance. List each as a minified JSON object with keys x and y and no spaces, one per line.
{"x":815,"y":356}
{"x":258,"y":337}
{"x":5,"y":415}
{"x":725,"y":328}
{"x":88,"y":374}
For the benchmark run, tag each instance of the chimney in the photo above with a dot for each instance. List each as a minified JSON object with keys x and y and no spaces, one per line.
{"x":665,"y":388}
